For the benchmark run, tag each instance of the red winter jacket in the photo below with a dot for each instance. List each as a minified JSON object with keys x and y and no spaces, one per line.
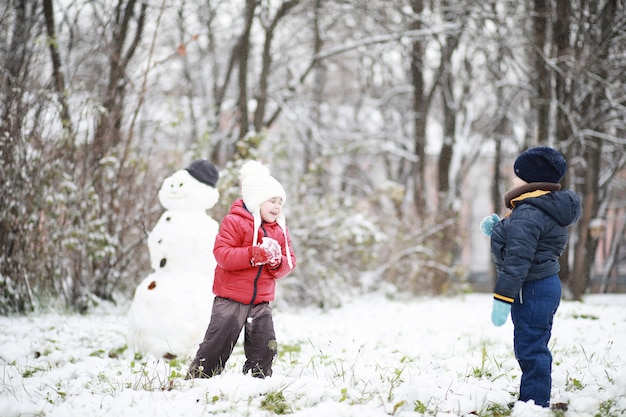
{"x":235,"y":278}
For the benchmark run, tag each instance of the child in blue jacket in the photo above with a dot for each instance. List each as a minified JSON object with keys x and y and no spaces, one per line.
{"x":525,"y":246}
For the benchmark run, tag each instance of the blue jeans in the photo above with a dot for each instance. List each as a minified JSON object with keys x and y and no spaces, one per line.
{"x":532,"y":314}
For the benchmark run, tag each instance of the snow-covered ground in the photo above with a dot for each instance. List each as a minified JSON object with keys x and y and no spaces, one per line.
{"x":372,"y":357}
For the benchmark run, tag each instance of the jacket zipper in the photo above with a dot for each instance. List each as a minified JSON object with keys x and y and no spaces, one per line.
{"x":258,"y":274}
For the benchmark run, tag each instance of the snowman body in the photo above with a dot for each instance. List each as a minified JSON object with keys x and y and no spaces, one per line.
{"x":172,"y":306}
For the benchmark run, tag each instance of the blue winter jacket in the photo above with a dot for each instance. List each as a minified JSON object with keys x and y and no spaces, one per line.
{"x":526,"y":244}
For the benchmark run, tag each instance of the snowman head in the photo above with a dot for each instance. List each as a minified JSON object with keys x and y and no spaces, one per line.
{"x":192,"y":188}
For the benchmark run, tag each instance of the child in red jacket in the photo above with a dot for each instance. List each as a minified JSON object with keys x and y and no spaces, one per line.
{"x":252,"y":250}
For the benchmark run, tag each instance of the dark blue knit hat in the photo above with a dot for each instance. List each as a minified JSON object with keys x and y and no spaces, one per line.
{"x":204,"y":171}
{"x":540,"y":164}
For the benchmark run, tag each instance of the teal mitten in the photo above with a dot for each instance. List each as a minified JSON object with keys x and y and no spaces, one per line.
{"x":487,"y":224}
{"x":499,"y":312}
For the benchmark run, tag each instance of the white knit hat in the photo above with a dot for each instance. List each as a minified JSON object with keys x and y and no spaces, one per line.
{"x":257,"y":186}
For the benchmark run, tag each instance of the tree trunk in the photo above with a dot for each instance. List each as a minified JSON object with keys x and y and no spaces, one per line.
{"x":542,"y":75}
{"x":311,"y":147}
{"x":57,"y":73}
{"x":244,"y":51}
{"x":419,"y":113}
{"x":585,"y":248}
{"x":563,"y":130}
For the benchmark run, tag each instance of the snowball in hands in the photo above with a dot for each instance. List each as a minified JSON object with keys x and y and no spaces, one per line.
{"x":268,"y":252}
{"x":273,"y":248}
{"x":487,"y":224}
{"x":258,"y":255}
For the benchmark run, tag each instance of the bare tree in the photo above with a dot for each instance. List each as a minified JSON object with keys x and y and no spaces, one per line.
{"x":18,"y":200}
{"x":588,"y":113}
{"x":121,"y":47}
{"x":342,"y":97}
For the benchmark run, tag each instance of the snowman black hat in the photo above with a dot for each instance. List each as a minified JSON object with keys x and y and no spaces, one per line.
{"x":257,"y":186}
{"x":204,"y":171}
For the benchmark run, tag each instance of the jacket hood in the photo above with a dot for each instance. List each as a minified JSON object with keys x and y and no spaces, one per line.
{"x":564,"y":206}
{"x":238,"y":207}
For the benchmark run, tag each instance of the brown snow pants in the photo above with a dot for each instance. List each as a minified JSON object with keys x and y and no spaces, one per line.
{"x":228,"y":317}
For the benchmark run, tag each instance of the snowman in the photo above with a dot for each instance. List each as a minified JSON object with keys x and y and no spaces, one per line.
{"x":172,"y":305}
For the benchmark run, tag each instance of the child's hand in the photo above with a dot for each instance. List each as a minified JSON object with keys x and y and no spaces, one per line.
{"x":273,"y":247}
{"x":259,"y":255}
{"x":499,"y":312}
{"x":487,"y":224}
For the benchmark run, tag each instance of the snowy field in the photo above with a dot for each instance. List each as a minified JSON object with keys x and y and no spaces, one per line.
{"x":372,"y":357}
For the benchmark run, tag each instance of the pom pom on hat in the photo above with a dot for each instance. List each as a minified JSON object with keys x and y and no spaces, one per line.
{"x":257,"y":186}
{"x":204,"y":171}
{"x":540,"y":164}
